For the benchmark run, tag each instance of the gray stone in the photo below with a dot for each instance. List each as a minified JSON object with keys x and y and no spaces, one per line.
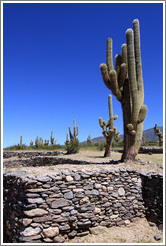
{"x":43,"y":179}
{"x":121,"y":191}
{"x":59,"y":203}
{"x":69,"y":195}
{"x":30,"y":231}
{"x":95,"y":192}
{"x":157,"y":237}
{"x":35,"y":212}
{"x":73,"y":212}
{"x":72,"y":234}
{"x":98,"y":186}
{"x":67,"y":209}
{"x":64,"y":227}
{"x":59,"y":239}
{"x":35,"y":200}
{"x":88,"y":187}
{"x":65,"y":214}
{"x":77,"y":177}
{"x":29,"y":239}
{"x":51,"y":232}
{"x":32,"y":195}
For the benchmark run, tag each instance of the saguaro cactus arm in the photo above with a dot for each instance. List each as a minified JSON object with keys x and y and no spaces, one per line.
{"x":128,"y":66}
{"x":111,"y":131}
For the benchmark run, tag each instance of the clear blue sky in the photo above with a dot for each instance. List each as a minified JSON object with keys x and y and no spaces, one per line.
{"x":52,"y":54}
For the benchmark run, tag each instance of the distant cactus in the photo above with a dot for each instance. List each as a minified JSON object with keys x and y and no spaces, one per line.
{"x":75,"y":133}
{"x":31,"y":143}
{"x":89,"y":140}
{"x":67,"y":139}
{"x":40,"y":142}
{"x":46,"y":142}
{"x":159,"y":134}
{"x":72,"y":146}
{"x":126,"y":83}
{"x":21,"y":141}
{"x":52,"y":140}
{"x":112,"y":131}
{"x":37,"y":143}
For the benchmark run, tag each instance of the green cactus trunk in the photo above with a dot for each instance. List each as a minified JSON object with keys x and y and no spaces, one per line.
{"x":112,"y":131}
{"x":108,"y":147}
{"x":126,"y":83}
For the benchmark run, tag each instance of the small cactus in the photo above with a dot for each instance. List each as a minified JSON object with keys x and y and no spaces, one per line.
{"x":31,"y":143}
{"x":40,"y":141}
{"x":37,"y":143}
{"x":112,"y":131}
{"x":159,"y":134}
{"x":52,"y":141}
{"x":46,"y":142}
{"x":89,"y":140}
{"x":72,"y":146}
{"x":21,"y":141}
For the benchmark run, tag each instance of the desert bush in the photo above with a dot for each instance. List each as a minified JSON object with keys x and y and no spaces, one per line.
{"x":73,"y":146}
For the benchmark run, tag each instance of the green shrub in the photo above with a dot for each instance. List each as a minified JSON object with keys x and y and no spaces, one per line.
{"x":73,"y":146}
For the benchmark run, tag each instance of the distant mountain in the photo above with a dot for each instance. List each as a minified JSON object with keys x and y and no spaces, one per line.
{"x":149,"y":134}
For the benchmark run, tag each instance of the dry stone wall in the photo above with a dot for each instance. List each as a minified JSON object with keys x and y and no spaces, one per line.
{"x":66,"y":204}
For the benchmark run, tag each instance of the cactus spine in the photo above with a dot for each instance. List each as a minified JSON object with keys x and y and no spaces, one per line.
{"x":112,"y":131}
{"x":126,"y":83}
{"x":159,"y":134}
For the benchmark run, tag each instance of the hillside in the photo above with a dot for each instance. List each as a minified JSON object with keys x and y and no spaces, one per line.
{"x":149,"y":134}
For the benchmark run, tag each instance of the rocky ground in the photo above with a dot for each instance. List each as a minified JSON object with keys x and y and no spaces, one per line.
{"x":93,"y":159}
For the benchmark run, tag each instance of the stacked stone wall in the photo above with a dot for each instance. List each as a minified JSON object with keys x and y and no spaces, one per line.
{"x":56,"y":207}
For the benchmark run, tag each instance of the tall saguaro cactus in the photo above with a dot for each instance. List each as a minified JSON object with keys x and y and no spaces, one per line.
{"x":126,"y":83}
{"x":159,"y":134}
{"x":112,"y":131}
